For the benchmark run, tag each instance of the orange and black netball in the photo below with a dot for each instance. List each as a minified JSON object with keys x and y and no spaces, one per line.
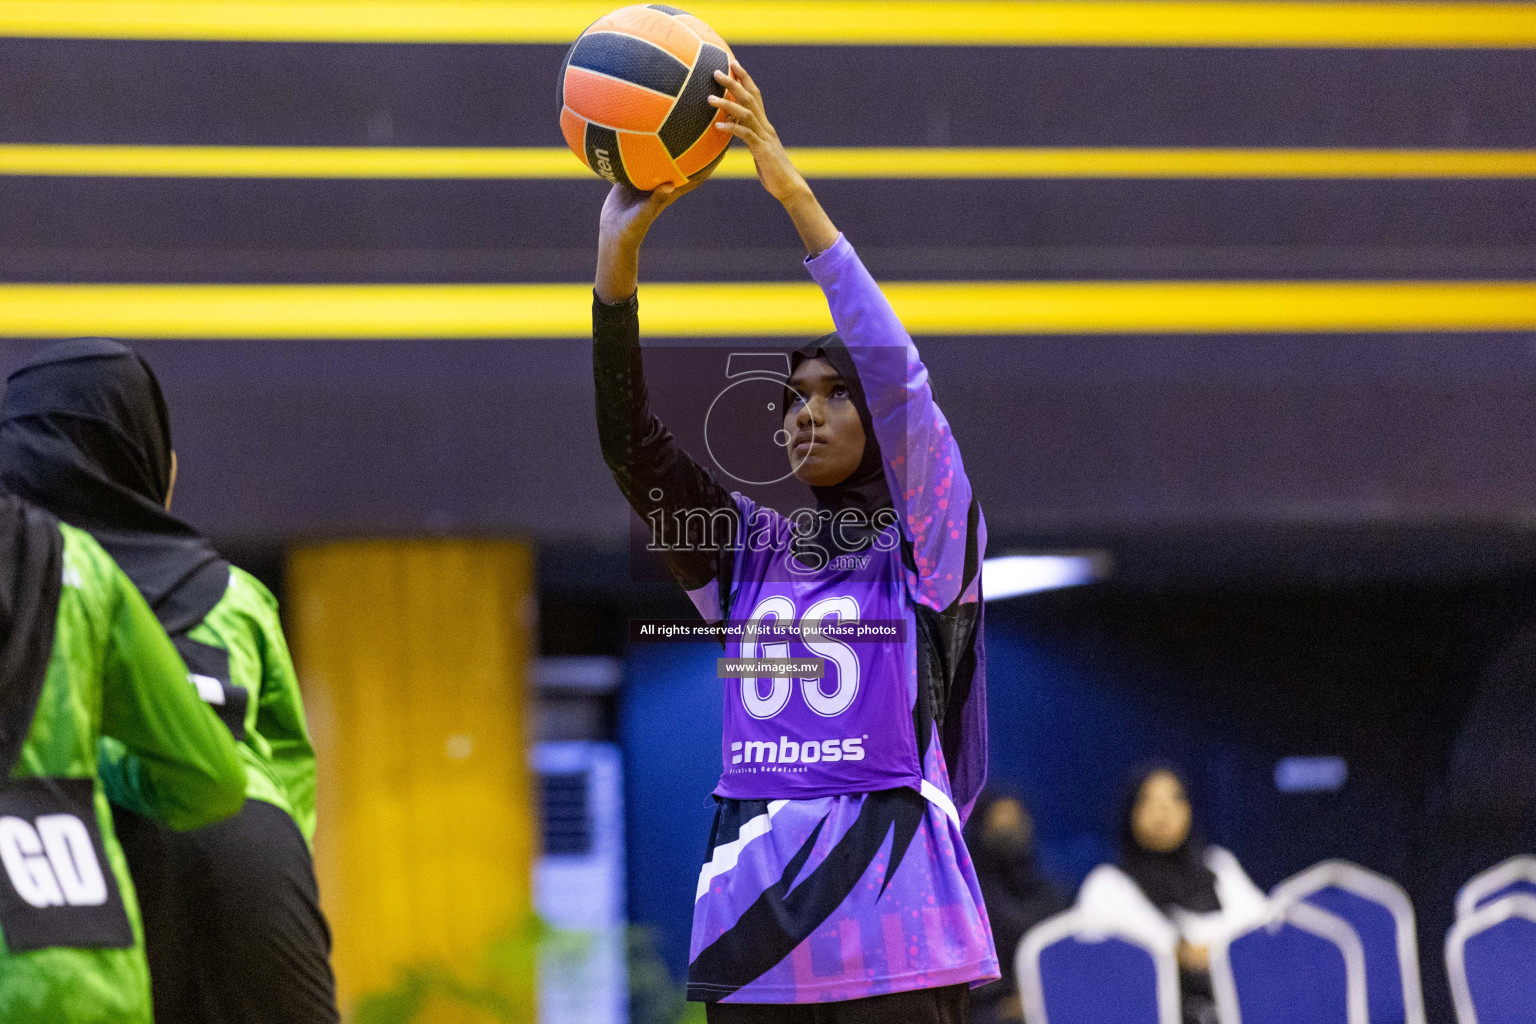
{"x":634,"y":94}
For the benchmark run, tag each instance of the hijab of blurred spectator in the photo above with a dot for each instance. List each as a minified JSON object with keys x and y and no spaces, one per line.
{"x":1160,"y":849}
{"x":1018,"y":895}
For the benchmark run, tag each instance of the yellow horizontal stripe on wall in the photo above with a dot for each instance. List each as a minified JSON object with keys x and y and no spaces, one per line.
{"x":910,"y":162}
{"x":943,"y":22}
{"x":761,"y":309}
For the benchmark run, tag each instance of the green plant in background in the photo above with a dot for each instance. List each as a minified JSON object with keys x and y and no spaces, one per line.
{"x":504,"y":989}
{"x":654,"y":997}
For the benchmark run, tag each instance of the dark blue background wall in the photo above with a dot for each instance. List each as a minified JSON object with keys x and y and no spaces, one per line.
{"x":669,"y":726}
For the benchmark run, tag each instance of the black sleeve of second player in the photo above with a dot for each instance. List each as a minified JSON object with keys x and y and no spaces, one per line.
{"x":642,"y":454}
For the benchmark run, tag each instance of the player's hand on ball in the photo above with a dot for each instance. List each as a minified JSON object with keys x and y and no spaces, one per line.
{"x":628,"y":213}
{"x":744,"y":103}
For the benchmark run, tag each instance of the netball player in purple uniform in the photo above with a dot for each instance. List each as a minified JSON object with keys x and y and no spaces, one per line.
{"x":837,"y":887}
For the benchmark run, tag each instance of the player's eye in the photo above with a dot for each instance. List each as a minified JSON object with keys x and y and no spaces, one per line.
{"x":840,"y":391}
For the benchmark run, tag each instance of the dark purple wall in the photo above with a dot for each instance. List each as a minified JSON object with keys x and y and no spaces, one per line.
{"x":1065,"y":437}
{"x":1062,"y":436}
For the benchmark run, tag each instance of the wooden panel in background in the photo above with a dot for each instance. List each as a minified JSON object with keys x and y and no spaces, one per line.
{"x":414,"y":656}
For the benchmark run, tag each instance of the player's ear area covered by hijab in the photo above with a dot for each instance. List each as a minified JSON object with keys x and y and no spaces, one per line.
{"x":865,"y":488}
{"x":85,"y":433}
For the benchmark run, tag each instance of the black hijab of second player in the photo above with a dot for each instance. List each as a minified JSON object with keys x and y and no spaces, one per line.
{"x":84,"y":433}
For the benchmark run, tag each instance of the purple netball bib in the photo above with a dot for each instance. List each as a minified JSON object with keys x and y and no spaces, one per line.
{"x":848,"y":731}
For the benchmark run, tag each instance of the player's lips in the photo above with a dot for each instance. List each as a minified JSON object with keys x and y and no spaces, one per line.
{"x":804,"y":442}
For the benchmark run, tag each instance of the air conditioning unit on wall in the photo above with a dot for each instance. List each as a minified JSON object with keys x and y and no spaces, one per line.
{"x":578,"y":883}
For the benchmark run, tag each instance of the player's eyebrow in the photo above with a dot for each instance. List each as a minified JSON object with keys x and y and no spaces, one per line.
{"x":811,"y":377}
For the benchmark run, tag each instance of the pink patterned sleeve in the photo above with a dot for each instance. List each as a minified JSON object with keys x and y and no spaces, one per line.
{"x":940,"y":517}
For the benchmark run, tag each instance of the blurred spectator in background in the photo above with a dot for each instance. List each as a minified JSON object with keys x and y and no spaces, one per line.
{"x":1168,"y":872}
{"x":1017,"y":894}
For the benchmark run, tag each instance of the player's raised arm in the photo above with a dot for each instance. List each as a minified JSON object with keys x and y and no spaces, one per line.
{"x":626,"y":219}
{"x":743,"y":102}
{"x":931,"y":493}
{"x":653,"y":472}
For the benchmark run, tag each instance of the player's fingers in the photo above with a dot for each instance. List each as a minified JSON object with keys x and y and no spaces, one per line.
{"x":661,"y":195}
{"x":742,"y":114}
{"x":739,"y":92}
{"x":741,"y":131}
{"x":740,"y":73}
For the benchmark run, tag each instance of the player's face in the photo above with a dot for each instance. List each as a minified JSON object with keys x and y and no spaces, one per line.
{"x":826,"y":436}
{"x":1160,"y":822}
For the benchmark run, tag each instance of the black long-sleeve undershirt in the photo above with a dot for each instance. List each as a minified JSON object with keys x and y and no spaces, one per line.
{"x":645,"y":458}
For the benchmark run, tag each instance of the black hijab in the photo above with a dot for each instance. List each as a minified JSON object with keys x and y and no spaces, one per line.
{"x":865,"y":489}
{"x":1176,"y":879}
{"x":84,"y":432}
{"x":31,"y":575}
